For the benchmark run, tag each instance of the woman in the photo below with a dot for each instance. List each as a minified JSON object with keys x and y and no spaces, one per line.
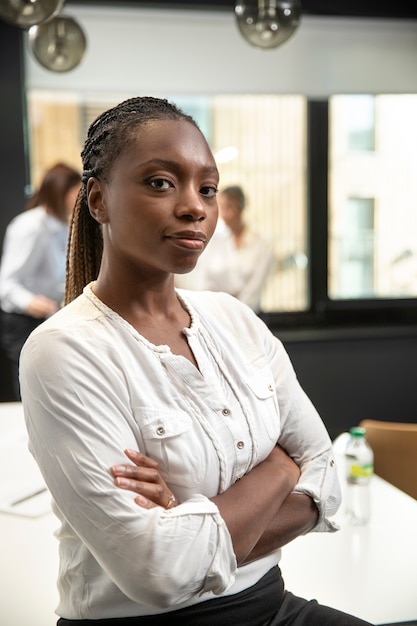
{"x":178,"y":446}
{"x":32,"y":270}
{"x":241,"y":259}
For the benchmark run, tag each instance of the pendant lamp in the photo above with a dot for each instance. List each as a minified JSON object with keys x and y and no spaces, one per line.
{"x":267,"y":24}
{"x":27,"y":13}
{"x":59,"y":44}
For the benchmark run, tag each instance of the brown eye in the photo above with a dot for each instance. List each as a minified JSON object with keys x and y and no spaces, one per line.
{"x":160,"y":184}
{"x":208,"y":192}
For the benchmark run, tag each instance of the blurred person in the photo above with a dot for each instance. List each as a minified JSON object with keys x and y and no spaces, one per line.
{"x":239,"y":259}
{"x":179,"y":449}
{"x":32,"y":267}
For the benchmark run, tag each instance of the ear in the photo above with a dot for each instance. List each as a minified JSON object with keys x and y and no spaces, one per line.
{"x":96,"y":200}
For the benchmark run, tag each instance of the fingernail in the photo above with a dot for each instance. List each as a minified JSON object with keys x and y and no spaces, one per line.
{"x":123,"y":482}
{"x":142,"y":501}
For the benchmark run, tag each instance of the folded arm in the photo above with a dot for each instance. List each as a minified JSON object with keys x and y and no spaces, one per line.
{"x":260,"y":511}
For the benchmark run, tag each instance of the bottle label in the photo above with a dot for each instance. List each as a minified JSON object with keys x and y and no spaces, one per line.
{"x":361,"y":471}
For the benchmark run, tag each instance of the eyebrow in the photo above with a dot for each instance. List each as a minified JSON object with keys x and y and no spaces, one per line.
{"x":167,"y":163}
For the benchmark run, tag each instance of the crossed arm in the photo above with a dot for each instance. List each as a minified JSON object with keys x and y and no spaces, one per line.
{"x":259,"y":510}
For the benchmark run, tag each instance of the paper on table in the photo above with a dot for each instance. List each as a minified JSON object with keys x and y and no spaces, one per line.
{"x":22,"y":488}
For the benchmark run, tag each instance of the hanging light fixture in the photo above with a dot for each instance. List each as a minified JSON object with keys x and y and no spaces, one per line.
{"x":27,"y":13}
{"x":267,"y":23}
{"x":59,"y":44}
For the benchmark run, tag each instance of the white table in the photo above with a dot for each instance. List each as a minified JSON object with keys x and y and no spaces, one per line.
{"x":28,"y":549}
{"x":368,"y":571}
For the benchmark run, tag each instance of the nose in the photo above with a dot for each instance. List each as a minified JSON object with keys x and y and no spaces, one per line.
{"x":191,"y":206}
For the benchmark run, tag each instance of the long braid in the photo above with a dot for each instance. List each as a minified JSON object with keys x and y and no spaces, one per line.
{"x":85,"y":247}
{"x":108,"y":136}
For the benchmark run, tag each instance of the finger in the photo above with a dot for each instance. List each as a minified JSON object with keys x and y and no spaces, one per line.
{"x":153,"y":491}
{"x":158,"y":495}
{"x":170,"y":502}
{"x":144,"y":502}
{"x":141,"y":459}
{"x":140,"y":474}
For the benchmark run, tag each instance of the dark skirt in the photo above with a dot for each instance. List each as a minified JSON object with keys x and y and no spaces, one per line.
{"x":15,"y":328}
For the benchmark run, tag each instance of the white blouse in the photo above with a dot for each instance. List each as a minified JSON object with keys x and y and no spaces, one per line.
{"x":33,"y":260}
{"x":92,"y":387}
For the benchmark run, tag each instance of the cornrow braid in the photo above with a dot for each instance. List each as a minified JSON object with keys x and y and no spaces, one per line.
{"x":111,"y":133}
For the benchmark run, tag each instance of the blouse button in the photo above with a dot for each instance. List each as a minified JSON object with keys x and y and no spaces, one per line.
{"x":240,"y":444}
{"x":225,"y":412}
{"x":160,"y":431}
{"x":271,"y":387}
{"x":331,"y":463}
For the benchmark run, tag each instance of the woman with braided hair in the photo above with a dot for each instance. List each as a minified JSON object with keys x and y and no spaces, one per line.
{"x":178,"y":447}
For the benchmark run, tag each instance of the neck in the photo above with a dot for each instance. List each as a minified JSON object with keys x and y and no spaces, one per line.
{"x":238,"y":233}
{"x":137,"y":297}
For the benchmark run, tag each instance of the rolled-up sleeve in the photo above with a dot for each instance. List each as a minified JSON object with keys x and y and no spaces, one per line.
{"x":305,"y":438}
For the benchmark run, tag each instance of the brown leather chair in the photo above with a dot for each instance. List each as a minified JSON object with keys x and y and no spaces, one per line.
{"x":395,"y":452}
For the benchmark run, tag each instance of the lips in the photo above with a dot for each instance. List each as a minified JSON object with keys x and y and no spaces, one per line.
{"x":192,"y":240}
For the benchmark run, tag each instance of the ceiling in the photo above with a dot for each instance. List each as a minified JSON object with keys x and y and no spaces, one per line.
{"x":393,"y":9}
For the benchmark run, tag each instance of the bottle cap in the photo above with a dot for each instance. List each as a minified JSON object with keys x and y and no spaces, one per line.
{"x":357,"y":431}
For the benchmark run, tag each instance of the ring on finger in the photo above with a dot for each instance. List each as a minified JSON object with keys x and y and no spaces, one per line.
{"x":171,"y":501}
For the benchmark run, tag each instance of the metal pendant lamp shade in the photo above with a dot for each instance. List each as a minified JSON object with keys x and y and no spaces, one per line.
{"x":59,"y":45}
{"x":267,"y":24}
{"x":27,"y":13}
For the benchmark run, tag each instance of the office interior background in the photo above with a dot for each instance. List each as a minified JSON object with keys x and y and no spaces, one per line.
{"x":325,"y":130}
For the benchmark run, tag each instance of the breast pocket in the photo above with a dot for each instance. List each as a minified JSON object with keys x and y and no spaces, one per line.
{"x":264,"y":405}
{"x":171,"y":439}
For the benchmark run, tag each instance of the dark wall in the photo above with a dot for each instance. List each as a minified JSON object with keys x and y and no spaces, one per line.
{"x":13,"y":170}
{"x":355,"y":374}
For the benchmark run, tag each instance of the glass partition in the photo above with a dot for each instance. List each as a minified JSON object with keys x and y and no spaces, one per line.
{"x":264,"y":136}
{"x":260,"y":143}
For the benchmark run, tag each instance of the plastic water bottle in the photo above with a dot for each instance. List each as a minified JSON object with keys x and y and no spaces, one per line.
{"x":359,"y":471}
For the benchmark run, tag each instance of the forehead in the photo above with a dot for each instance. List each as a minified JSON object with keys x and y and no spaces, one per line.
{"x":169,"y":139}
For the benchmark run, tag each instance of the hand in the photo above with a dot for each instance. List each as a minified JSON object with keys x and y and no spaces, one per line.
{"x":144,"y":478}
{"x":41,"y":307}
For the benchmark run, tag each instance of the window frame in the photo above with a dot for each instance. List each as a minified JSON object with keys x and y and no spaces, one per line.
{"x":323,"y":312}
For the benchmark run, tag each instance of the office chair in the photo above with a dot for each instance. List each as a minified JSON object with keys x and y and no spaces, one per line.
{"x":395,"y":452}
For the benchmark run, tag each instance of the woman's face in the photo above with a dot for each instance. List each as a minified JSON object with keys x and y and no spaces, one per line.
{"x":158,"y":207}
{"x":230,"y":211}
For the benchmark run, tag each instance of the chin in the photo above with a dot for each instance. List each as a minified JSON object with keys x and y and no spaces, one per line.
{"x":186,"y":268}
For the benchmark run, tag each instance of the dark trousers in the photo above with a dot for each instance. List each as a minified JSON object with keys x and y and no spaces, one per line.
{"x":265,"y":604}
{"x":15,"y":328}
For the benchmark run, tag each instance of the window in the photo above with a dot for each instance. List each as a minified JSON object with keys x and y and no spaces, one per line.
{"x":359,"y":116}
{"x":373,"y":197}
{"x":332,"y":182}
{"x":267,"y":133}
{"x":351,"y":267}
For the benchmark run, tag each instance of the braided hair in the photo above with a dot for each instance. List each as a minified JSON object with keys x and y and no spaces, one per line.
{"x":108,"y":137}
